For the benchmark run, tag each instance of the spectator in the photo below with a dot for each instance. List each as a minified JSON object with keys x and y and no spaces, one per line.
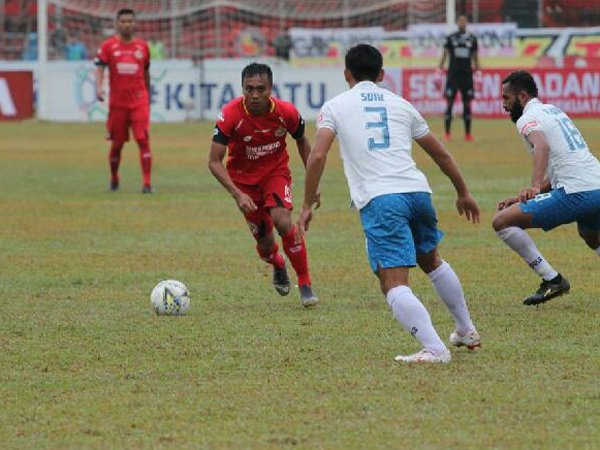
{"x":75,"y":50}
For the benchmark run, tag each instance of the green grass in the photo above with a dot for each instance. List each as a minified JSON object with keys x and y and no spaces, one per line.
{"x":84,"y":363}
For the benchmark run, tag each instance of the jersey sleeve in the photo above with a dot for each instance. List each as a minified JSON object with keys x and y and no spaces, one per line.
{"x":418,"y":127}
{"x":102,"y":55}
{"x":223,"y":128}
{"x":447,"y":44}
{"x":326,"y":118}
{"x":527,"y":124}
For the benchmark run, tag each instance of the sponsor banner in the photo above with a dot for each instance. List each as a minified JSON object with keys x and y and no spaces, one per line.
{"x":16,"y":95}
{"x":329,"y":45}
{"x":181,"y":91}
{"x":500,"y":45}
{"x":576,"y":91}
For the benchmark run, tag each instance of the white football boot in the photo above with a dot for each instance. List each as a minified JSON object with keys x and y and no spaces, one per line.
{"x":471,"y":340}
{"x":425,"y":356}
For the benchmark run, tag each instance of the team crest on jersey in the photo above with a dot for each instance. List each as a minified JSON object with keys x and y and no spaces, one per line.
{"x":280,"y":131}
{"x":138,"y":54}
{"x":247,"y":138}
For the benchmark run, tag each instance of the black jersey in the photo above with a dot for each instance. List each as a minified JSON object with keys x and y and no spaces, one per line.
{"x":461,"y":47}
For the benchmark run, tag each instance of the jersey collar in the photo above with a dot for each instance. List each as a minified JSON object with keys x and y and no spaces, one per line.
{"x":271,"y":109}
{"x":530,"y":103}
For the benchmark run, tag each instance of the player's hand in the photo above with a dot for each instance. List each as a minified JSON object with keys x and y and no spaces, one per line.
{"x":528,"y":193}
{"x":466,"y":204}
{"x":317,"y":199}
{"x":245,"y":203}
{"x":99,"y":95}
{"x":506,"y":203}
{"x":303,"y":222}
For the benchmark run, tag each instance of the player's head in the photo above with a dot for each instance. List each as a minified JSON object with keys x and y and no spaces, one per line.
{"x":257,"y":83}
{"x":462,"y":22}
{"x":126,"y":22}
{"x":517,"y":89}
{"x":363,"y":63}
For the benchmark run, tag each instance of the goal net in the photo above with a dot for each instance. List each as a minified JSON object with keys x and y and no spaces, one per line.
{"x":199,"y":29}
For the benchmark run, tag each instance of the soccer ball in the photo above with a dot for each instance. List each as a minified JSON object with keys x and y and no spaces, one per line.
{"x":170,"y":298}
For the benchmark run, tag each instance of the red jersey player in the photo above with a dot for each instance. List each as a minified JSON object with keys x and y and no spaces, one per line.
{"x":128,"y":62}
{"x":253,"y":128}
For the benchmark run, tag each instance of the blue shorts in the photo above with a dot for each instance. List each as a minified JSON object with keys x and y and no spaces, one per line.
{"x":556,"y":207}
{"x":397,"y":227}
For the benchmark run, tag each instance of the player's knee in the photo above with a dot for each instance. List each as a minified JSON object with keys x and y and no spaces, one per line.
{"x":499,"y":222}
{"x":591,"y":238}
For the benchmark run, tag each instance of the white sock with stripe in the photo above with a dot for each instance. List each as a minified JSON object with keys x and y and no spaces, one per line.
{"x":414,"y":318}
{"x":518,"y":239}
{"x":449,"y":289}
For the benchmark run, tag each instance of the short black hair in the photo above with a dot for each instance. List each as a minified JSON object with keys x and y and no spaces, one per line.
{"x":364,"y":62}
{"x":257,"y":69}
{"x":520,"y":80}
{"x":125,"y":11}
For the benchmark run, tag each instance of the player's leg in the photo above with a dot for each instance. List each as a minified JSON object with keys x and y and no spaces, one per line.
{"x":278,"y":194}
{"x":450,"y":94}
{"x":467,"y":95}
{"x":589,"y":226}
{"x":546,"y":211}
{"x":140,"y":124}
{"x":117,"y":129}
{"x":261,"y":227}
{"x":391,"y":252}
{"x":427,"y":236}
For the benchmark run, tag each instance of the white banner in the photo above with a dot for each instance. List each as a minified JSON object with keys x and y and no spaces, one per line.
{"x":493,"y":39}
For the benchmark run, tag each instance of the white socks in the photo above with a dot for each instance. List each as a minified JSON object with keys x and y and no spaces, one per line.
{"x":414,"y":318}
{"x":448,"y":287}
{"x":597,"y":251}
{"x":518,"y":239}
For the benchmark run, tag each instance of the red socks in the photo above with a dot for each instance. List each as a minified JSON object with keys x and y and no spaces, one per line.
{"x":145,"y":160}
{"x":114,"y":160}
{"x":273,"y":256}
{"x":296,"y":253}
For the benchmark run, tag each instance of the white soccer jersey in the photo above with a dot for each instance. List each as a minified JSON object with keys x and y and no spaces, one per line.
{"x":570,"y":164}
{"x":375,"y":128}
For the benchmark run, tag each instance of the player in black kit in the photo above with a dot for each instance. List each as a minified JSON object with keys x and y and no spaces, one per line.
{"x":461,"y":49}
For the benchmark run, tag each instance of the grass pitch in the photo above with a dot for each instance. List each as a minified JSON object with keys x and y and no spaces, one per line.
{"x":84,"y":362}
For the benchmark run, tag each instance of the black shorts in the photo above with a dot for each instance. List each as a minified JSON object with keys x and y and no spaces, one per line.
{"x":459,"y":82}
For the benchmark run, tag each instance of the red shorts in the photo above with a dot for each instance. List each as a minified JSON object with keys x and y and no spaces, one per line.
{"x":121,"y":119}
{"x":274,"y":191}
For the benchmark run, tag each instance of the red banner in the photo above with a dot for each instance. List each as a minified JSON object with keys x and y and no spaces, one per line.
{"x":16,"y":95}
{"x":575,"y":91}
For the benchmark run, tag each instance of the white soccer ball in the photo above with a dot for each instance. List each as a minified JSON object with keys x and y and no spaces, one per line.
{"x":170,"y":298}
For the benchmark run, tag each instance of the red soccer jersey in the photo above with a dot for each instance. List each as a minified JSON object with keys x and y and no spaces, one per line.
{"x":257,"y":143}
{"x":127,"y":62}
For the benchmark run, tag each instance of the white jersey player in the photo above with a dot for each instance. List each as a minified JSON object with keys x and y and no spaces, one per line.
{"x":376,"y":128}
{"x":565,"y":185}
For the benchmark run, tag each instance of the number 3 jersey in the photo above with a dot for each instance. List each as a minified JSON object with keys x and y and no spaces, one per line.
{"x":375,"y":128}
{"x":570,"y":164}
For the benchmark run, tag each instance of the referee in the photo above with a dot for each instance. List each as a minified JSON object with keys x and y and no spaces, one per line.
{"x":461,"y":50}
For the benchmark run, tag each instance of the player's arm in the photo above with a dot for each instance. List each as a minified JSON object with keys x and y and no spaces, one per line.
{"x":541,"y":153}
{"x":314,"y":169}
{"x":100,"y":82}
{"x":465,"y":203}
{"x":147,"y":78}
{"x":218,"y":149}
{"x":475,"y":61}
{"x":303,"y":145}
{"x":442,"y":63}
